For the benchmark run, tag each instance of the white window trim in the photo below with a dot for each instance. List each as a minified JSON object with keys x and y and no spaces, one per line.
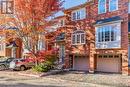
{"x":105,"y":42}
{"x":105,"y":7}
{"x":104,"y":26}
{"x":76,"y":38}
{"x":79,"y":10}
{"x":129,"y":7}
{"x":117,"y":7}
{"x":60,"y":21}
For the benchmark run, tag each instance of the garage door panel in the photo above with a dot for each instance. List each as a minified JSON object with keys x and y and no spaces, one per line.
{"x":81,"y":64}
{"x":108,"y":64}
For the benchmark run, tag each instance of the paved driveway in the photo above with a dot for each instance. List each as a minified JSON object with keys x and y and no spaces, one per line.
{"x":103,"y":79}
{"x":12,"y":79}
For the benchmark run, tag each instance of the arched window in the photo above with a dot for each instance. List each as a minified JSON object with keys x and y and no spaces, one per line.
{"x":78,"y":37}
{"x":101,"y":6}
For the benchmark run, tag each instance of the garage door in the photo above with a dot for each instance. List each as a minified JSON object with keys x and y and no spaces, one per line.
{"x":108,"y":64}
{"x":81,"y":63}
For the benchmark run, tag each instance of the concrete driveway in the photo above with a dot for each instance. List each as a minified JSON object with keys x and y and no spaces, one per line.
{"x":12,"y":79}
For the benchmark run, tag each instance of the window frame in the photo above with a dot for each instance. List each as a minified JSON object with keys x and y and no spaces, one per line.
{"x":129,"y":7}
{"x":99,"y":12}
{"x":109,"y":44}
{"x":78,"y":14}
{"x":117,"y":6}
{"x":61,"y":23}
{"x":7,"y":7}
{"x":109,"y":30}
{"x":75,"y":39}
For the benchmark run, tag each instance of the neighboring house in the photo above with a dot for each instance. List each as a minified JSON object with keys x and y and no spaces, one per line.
{"x":10,"y":48}
{"x":95,"y":36}
{"x":28,"y":45}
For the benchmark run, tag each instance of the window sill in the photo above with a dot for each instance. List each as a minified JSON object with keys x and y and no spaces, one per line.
{"x":78,"y":19}
{"x":113,"y":10}
{"x":116,"y":48}
{"x":78,"y":44}
{"x":102,"y":13}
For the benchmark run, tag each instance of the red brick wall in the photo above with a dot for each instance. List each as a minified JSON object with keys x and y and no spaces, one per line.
{"x":129,"y":71}
{"x":87,"y":25}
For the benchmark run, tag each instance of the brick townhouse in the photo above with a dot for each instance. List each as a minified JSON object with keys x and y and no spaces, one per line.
{"x":94,"y":36}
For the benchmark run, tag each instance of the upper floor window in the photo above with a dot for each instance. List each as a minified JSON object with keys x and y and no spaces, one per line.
{"x":129,"y":7}
{"x":79,"y":14}
{"x":7,"y":7}
{"x":101,"y":6}
{"x":106,"y":33}
{"x":108,"y":36}
{"x":113,"y":5}
{"x":78,"y":37}
{"x":61,"y":23}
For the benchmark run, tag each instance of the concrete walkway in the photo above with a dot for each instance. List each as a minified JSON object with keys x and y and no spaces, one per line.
{"x":12,"y":79}
{"x":71,"y":79}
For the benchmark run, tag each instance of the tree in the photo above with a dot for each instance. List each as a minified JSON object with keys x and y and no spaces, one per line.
{"x":30,"y":20}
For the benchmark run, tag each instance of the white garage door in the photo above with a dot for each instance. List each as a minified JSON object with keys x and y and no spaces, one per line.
{"x":81,"y":63}
{"x":108,"y":64}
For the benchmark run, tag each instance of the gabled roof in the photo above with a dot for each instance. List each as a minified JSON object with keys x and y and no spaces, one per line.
{"x":12,"y":45}
{"x":60,"y":17}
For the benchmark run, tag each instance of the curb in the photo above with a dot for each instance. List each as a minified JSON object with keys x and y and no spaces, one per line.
{"x":29,"y":75}
{"x":40,"y":75}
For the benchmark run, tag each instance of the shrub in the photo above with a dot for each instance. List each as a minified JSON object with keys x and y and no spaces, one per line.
{"x":43,"y":67}
{"x":48,"y":64}
{"x":51,"y":58}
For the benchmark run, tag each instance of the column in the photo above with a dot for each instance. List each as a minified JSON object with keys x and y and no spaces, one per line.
{"x":125,"y":63}
{"x":91,"y":58}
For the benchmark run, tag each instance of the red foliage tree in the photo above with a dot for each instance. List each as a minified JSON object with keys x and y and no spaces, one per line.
{"x":30,"y":19}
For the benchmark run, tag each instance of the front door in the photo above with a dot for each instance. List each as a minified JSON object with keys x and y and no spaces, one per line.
{"x":13,"y":53}
{"x":61,"y":54}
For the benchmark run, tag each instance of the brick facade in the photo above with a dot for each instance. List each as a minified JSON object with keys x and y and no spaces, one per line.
{"x":88,"y":26}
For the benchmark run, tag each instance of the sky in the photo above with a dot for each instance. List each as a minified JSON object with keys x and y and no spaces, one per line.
{"x":71,"y":3}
